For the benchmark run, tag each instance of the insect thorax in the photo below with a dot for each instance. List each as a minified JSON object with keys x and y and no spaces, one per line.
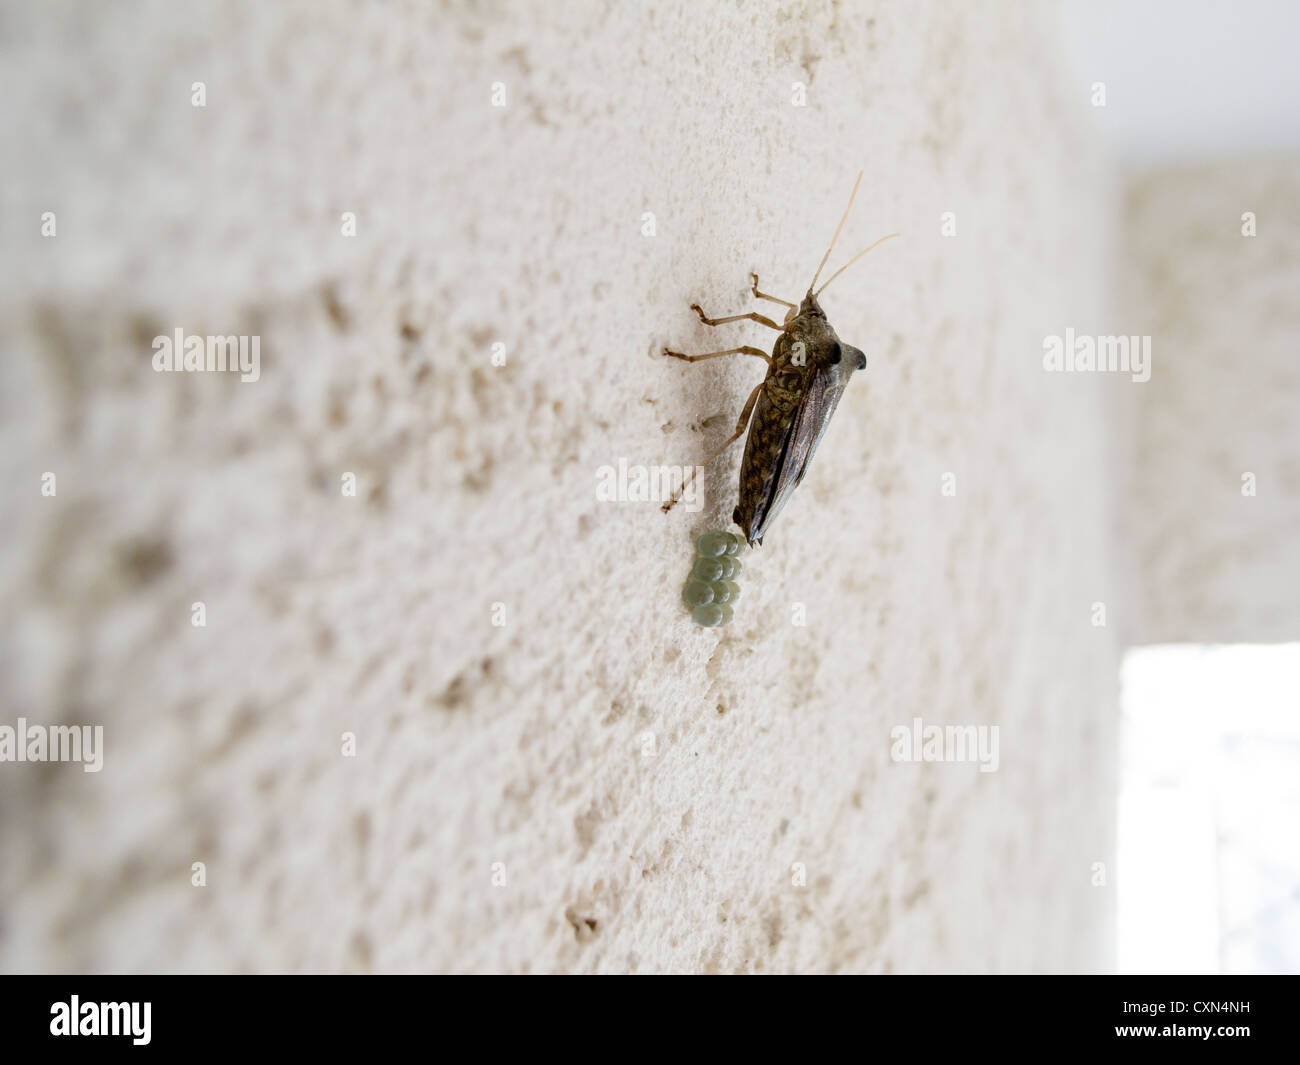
{"x":808,"y":341}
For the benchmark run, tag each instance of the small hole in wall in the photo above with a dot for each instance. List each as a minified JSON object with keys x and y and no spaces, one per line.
{"x":584,"y":928}
{"x":335,"y":309}
{"x":142,"y":561}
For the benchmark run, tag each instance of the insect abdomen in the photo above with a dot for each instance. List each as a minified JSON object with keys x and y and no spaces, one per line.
{"x":761,"y":465}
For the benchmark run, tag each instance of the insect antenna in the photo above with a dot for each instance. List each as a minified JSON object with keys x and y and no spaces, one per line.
{"x":851,"y":262}
{"x":837,"y":231}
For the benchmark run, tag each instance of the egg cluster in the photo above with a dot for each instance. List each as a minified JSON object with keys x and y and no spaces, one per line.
{"x":710,"y":591}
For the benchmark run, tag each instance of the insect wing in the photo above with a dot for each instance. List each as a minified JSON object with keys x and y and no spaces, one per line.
{"x":806,"y":431}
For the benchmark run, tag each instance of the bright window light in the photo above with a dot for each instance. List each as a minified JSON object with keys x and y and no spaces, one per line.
{"x":1209,"y":810}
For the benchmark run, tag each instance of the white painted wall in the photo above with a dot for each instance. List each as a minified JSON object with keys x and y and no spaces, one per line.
{"x":525,"y":744}
{"x":1217,"y":421}
{"x":1189,"y":82}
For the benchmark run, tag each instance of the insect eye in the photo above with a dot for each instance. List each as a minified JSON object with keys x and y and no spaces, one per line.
{"x":836,"y":354}
{"x":862,"y":361}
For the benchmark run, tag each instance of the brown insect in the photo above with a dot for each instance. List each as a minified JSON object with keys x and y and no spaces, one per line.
{"x":806,"y":374}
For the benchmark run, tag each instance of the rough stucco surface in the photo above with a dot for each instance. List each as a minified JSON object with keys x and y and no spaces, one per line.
{"x":1216,"y":565}
{"x":526,"y":744}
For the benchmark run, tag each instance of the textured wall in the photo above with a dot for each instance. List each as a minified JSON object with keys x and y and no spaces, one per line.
{"x":1216,"y":564}
{"x":526,"y":744}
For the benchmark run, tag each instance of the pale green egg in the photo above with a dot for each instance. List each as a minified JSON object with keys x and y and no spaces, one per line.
{"x":709,"y":615}
{"x":707,"y":569}
{"x":697,"y":593}
{"x":712,"y":544}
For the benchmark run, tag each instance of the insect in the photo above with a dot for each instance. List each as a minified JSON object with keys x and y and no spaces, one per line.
{"x":792,"y":406}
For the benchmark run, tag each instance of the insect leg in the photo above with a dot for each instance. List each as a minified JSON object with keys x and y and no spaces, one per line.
{"x":714,"y":354}
{"x":741,"y":423}
{"x":765,"y":296}
{"x":751,"y":316}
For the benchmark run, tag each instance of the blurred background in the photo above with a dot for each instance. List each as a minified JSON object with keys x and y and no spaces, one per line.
{"x":1203,"y":115}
